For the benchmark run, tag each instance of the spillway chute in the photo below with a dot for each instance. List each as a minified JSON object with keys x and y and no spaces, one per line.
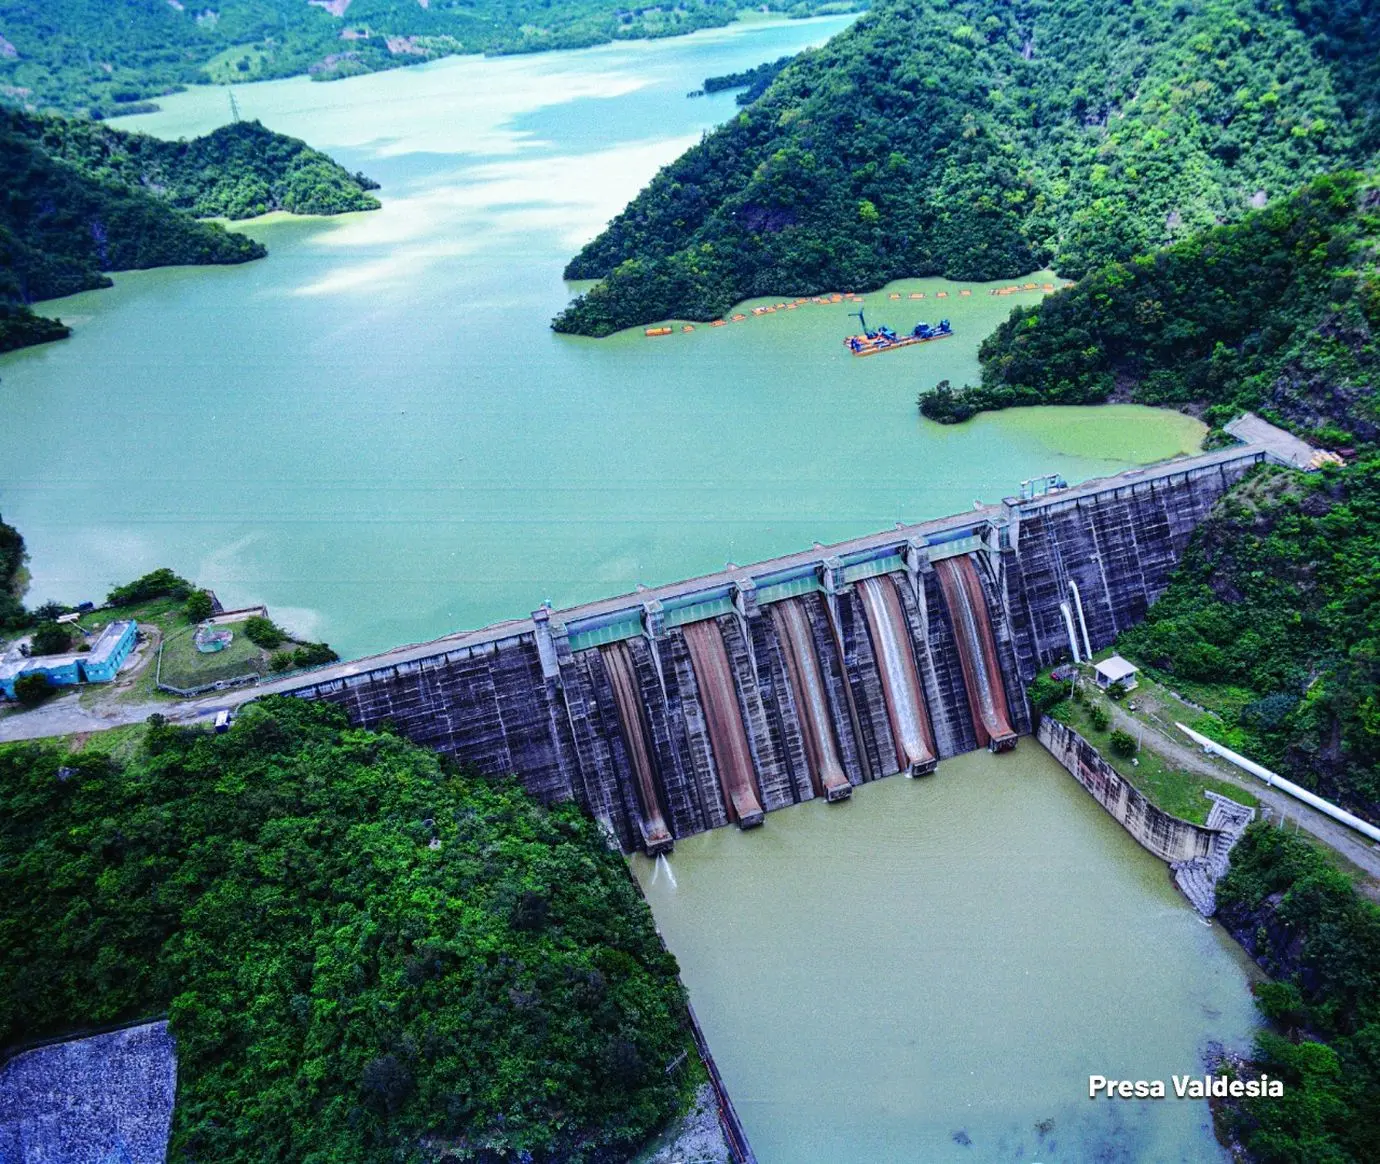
{"x":724,"y":722}
{"x":977,"y":651}
{"x":807,"y":686}
{"x":656,"y":837}
{"x":905,"y":703}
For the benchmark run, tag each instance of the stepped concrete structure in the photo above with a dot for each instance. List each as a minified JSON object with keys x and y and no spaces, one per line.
{"x":718,"y":700}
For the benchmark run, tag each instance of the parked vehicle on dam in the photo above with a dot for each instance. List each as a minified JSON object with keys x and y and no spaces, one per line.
{"x":883,"y":339}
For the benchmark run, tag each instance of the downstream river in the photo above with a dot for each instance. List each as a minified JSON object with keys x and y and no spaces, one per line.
{"x":375,"y":432}
{"x":931,"y":970}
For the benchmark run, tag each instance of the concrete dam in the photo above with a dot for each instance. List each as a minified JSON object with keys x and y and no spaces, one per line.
{"x":718,"y":700}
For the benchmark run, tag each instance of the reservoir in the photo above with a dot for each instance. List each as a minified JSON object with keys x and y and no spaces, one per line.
{"x":375,"y":432}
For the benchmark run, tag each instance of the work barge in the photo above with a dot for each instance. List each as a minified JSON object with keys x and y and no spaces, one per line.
{"x":720,"y":699}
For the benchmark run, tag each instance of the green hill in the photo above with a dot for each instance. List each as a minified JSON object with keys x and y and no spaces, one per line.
{"x":82,"y":199}
{"x":1278,"y":313}
{"x":979,"y":139}
{"x":101,"y":57}
{"x":365,"y":954}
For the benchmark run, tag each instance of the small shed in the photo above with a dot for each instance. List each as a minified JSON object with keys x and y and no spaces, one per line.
{"x":1116,"y":670}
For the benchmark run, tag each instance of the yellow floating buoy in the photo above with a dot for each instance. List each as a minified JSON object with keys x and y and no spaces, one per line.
{"x":718,"y":323}
{"x":917,"y":295}
{"x":941,"y":294}
{"x":965,"y":291}
{"x":894,"y":295}
{"x":657,"y":331}
{"x":1047,"y":287}
{"x":687,"y":327}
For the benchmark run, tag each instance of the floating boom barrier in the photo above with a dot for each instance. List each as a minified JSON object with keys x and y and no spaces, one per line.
{"x":854,"y":298}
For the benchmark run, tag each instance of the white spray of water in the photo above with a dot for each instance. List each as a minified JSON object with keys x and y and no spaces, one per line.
{"x":662,"y":863}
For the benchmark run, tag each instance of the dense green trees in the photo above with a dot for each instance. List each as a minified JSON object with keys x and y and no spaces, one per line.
{"x":357,"y":946}
{"x":1276,"y":313}
{"x":83,"y":199}
{"x":13,"y":578}
{"x":160,"y":583}
{"x":753,"y":82}
{"x":236,"y":171}
{"x":107,"y":58}
{"x":1273,"y":614}
{"x":988,"y":138}
{"x":51,"y":638}
{"x":1305,"y":924}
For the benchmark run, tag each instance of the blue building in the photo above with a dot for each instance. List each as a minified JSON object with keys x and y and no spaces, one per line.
{"x":98,"y":665}
{"x":62,"y":671}
{"x":102,"y":663}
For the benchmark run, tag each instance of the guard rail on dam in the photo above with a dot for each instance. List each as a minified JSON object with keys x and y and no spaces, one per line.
{"x":718,"y":700}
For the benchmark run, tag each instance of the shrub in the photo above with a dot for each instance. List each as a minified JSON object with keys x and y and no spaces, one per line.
{"x":160,"y":583}
{"x":1123,"y":743}
{"x":32,"y":689}
{"x":51,"y":638}
{"x":1097,"y":713}
{"x":264,"y":632}
{"x":1117,"y":691}
{"x":198,"y":606}
{"x":281,"y":661}
{"x":313,"y":655}
{"x":1045,"y":692}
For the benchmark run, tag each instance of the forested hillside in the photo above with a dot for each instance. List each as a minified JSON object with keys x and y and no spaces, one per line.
{"x":1278,"y":313}
{"x":1273,"y":619}
{"x":82,"y":199}
{"x":365,"y":954}
{"x":981,"y":139}
{"x":109,"y":57}
{"x":1302,"y":920}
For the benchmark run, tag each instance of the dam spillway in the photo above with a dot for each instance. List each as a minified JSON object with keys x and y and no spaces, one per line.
{"x":977,"y":652}
{"x":718,"y":700}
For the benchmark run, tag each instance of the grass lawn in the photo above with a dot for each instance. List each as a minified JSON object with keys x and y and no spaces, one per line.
{"x":184,"y":666}
{"x":1167,"y":785}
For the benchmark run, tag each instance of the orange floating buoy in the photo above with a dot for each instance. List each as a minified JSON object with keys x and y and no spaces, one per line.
{"x":893,"y":295}
{"x":941,"y":294}
{"x":739,"y":318}
{"x":965,"y":291}
{"x":657,"y":331}
{"x":718,"y":323}
{"x":1029,"y":287}
{"x":1047,"y":287}
{"x":916,"y":295}
{"x":687,"y":327}
{"x":801,"y":302}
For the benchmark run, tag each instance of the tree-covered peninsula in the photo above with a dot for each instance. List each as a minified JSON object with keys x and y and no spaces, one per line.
{"x":83,"y":199}
{"x":979,"y":139}
{"x":364,"y":953}
{"x":109,"y":58}
{"x":1278,"y":313}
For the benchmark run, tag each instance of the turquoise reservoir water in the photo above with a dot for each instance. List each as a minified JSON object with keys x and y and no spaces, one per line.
{"x":375,"y":432}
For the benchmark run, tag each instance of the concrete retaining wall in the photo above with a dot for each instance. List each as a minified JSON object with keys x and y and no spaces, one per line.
{"x":1168,"y":837}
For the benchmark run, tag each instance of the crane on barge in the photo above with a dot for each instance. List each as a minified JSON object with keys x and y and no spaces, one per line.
{"x":883,"y":339}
